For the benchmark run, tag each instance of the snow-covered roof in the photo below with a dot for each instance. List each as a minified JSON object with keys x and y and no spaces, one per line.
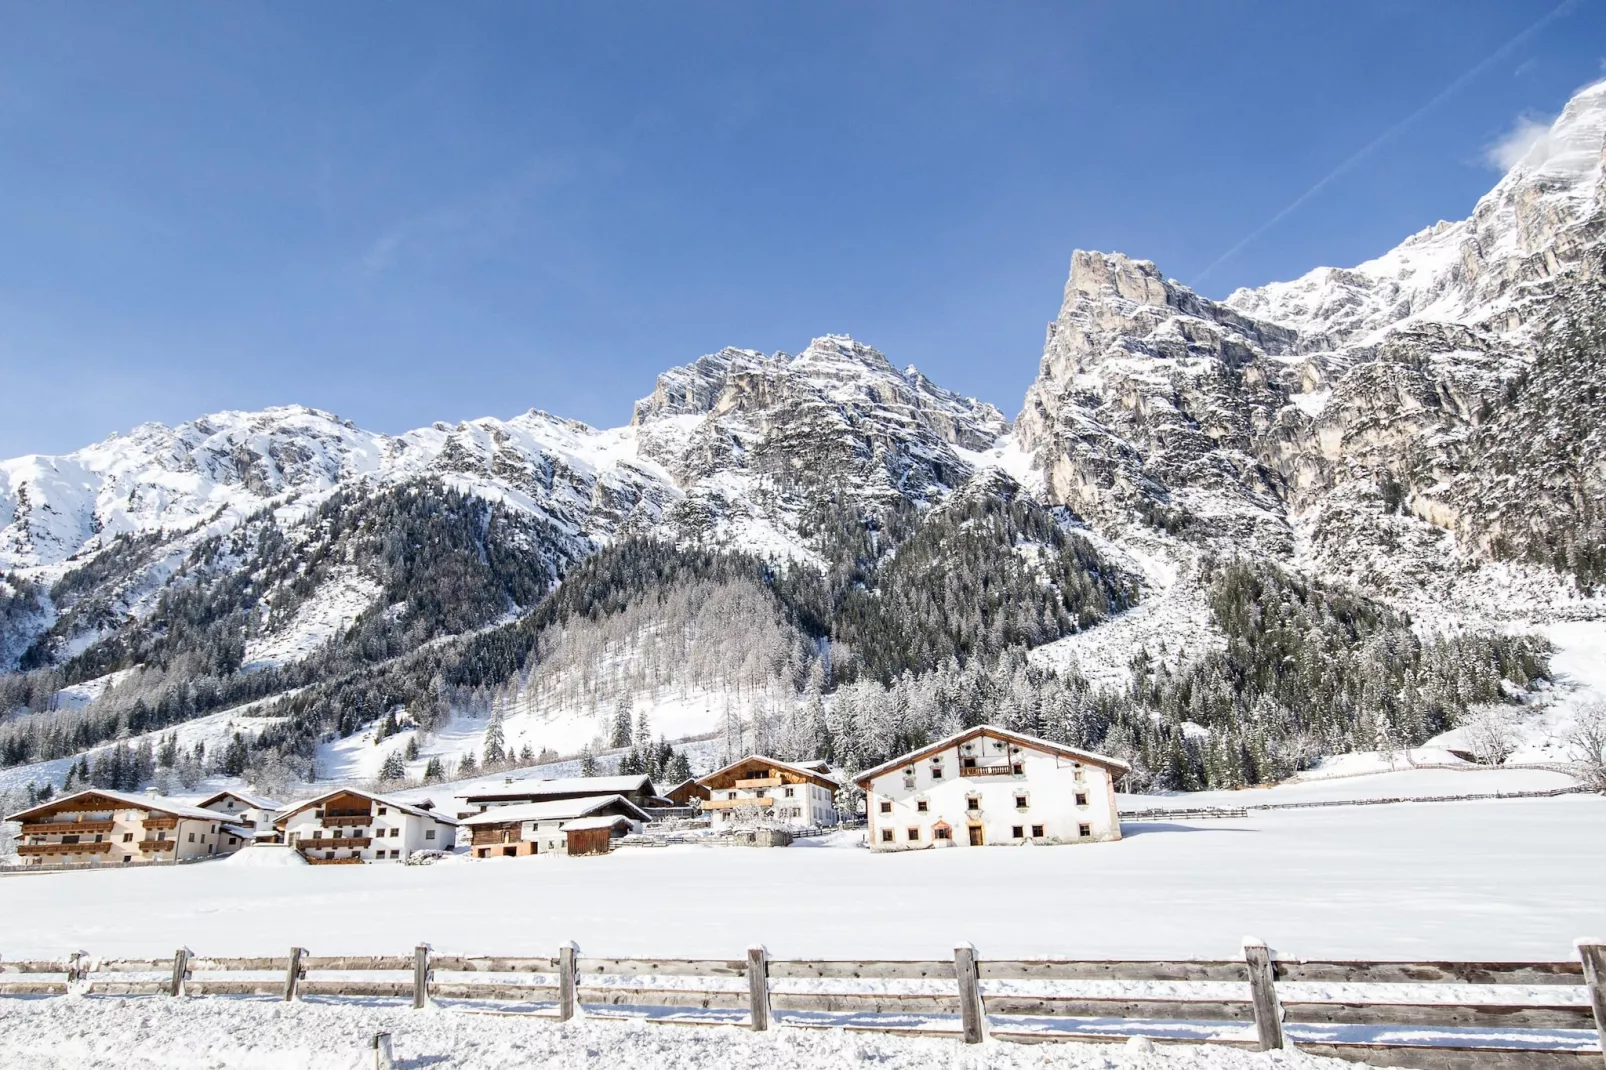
{"x":555,"y":810}
{"x":1017,"y":738}
{"x":253,"y":801}
{"x":586,"y":785}
{"x":605,"y":821}
{"x":808,"y":772}
{"x":382,"y":800}
{"x":153,"y":803}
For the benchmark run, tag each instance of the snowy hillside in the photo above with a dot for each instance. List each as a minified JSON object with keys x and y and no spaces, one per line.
{"x":1225,"y":539}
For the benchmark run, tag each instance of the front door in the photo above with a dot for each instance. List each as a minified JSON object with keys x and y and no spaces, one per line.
{"x":975,"y":836}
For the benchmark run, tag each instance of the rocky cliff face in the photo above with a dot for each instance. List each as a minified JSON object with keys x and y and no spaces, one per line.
{"x":1349,"y":420}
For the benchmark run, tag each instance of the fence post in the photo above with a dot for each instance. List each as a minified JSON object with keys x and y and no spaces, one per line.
{"x":293,"y":975}
{"x":758,"y":986}
{"x":568,"y":964}
{"x":384,"y":1056}
{"x":972,"y":1015}
{"x":1263,"y":994}
{"x":1592,"y":950}
{"x":181,"y":971}
{"x":77,"y":967}
{"x":420,"y":976}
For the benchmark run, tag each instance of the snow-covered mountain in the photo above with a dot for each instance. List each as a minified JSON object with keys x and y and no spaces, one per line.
{"x":1426,"y":429}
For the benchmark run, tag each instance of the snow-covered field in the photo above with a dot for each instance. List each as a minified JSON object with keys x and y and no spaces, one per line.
{"x":1509,"y":879}
{"x":211,"y":1034}
{"x":1401,"y":783}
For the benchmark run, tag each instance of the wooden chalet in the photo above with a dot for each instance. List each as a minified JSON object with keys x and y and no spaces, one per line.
{"x":350,"y":826}
{"x":542,"y":827}
{"x":763,"y":790}
{"x":99,"y":827}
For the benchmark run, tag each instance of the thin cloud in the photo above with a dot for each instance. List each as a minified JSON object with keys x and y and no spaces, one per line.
{"x":1360,"y":156}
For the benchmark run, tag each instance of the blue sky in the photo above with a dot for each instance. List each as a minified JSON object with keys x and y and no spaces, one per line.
{"x":414,"y":212}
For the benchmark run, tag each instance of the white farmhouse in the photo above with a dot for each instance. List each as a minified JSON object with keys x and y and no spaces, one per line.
{"x":758,"y":789}
{"x":251,"y":813}
{"x":545,"y":827}
{"x":351,"y":826}
{"x":100,"y":827}
{"x":988,"y":786}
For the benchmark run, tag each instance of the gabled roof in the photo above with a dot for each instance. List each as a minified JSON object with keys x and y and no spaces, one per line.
{"x":605,"y":821}
{"x":253,"y":801}
{"x":812,"y":775}
{"x":556,"y":810}
{"x":124,"y":800}
{"x":1017,"y":738}
{"x":384,"y":800}
{"x":573,"y":785}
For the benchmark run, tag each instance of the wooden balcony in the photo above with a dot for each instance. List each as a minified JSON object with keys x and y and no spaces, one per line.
{"x":339,"y":820}
{"x":335,"y":843}
{"x":761,"y":803}
{"x":333,"y":861}
{"x":68,"y":828}
{"x":988,"y":770}
{"x":35,"y":849}
{"x":155,"y":846}
{"x":160,"y":821}
{"x":771,"y":781}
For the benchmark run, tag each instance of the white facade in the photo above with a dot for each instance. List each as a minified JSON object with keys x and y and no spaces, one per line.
{"x":253,"y":816}
{"x":758,"y":790}
{"x":987,"y":787}
{"x":542,"y":827}
{"x":351,"y":824}
{"x":98,"y":827}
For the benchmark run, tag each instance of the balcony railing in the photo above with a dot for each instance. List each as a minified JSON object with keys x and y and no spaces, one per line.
{"x":760,"y":782}
{"x":339,"y":842}
{"x":58,"y":828}
{"x":159,"y":822}
{"x":988,"y":770}
{"x":335,"y":820}
{"x":26,"y":849}
{"x":156,"y":846}
{"x":762,"y":803}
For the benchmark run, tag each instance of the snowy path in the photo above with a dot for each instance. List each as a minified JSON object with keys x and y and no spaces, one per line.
{"x":1499,"y":880}
{"x":227,"y":1034}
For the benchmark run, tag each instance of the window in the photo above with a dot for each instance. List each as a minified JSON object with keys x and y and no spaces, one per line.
{"x":128,"y":858}
{"x":192,"y":837}
{"x":161,"y":835}
{"x":383,"y":810}
{"x":1081,"y":798}
{"x":395,"y":854}
{"x":328,"y":854}
{"x":886,"y":835}
{"x":317,"y":815}
{"x":972,"y":803}
{"x":429,"y":834}
{"x":1084,"y":830}
{"x":128,"y":837}
{"x":936,"y":772}
{"x":730,"y":795}
{"x":789,"y":793}
{"x":317,"y":834}
{"x":233,"y":841}
{"x":1020,"y":802}
{"x":914,"y":835}
{"x":395,"y":832}
{"x":1020,"y":770}
{"x":1017,"y":831}
{"x":942,"y":832}
{"x":886,"y":806}
{"x":922,"y":806}
{"x":99,"y":837}
{"x":1037,"y":832}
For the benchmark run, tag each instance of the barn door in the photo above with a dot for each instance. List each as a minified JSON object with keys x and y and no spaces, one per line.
{"x":976,"y":839}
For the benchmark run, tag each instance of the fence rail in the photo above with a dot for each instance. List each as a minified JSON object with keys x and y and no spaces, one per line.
{"x":975,"y":991}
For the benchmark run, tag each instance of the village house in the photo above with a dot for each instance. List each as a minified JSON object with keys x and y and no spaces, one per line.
{"x":97,"y":827}
{"x":351,"y":826}
{"x":254,"y":815}
{"x":988,"y":786}
{"x":686,"y":793}
{"x":558,"y":826}
{"x":759,"y":790}
{"x":637,"y":788}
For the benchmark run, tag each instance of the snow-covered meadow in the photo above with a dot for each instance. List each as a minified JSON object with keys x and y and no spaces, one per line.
{"x":1509,"y":879}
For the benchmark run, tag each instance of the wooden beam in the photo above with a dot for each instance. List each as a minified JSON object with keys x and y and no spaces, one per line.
{"x":420,"y":977}
{"x":567,"y":995}
{"x":972,"y":1015}
{"x":758,"y":987}
{"x":294,"y":973}
{"x":1592,"y":952}
{"x":1263,"y":994}
{"x":181,"y":971}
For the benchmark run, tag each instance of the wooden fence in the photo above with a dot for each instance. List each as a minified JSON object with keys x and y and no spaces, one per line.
{"x":963,"y":988}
